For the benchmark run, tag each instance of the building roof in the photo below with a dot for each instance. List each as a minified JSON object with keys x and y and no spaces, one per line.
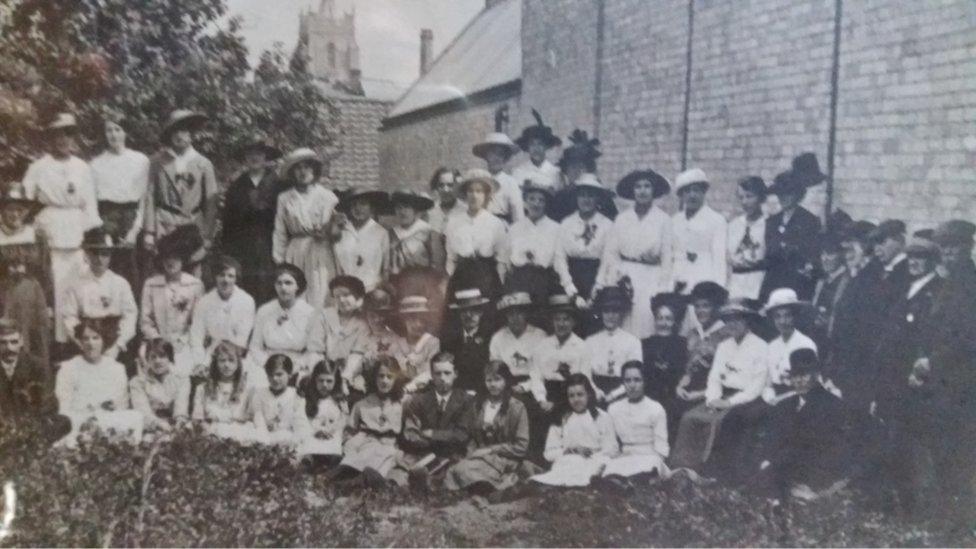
{"x":486,"y":54}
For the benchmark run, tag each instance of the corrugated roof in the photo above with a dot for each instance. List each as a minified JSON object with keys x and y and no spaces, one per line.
{"x":486,"y":54}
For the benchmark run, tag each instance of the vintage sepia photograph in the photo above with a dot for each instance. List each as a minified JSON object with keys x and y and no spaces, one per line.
{"x":487,"y":273}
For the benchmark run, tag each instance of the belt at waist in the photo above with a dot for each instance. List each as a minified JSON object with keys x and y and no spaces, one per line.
{"x":629,"y":259}
{"x":520,"y":379}
{"x":378,"y":434}
{"x":176,"y":211}
{"x":583,"y":260}
{"x":729,"y":391}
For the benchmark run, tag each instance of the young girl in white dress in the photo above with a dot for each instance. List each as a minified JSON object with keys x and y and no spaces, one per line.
{"x":158,"y":391}
{"x":220,"y":401}
{"x":327,"y":410}
{"x":580,"y":445}
{"x":642,"y":429}
{"x":278,"y":411}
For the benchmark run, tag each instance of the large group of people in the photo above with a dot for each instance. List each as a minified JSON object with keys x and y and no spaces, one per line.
{"x":510,"y":327}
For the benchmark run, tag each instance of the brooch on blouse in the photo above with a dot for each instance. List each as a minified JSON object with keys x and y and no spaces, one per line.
{"x":71,"y":188}
{"x":282,"y":319}
{"x":105,"y":301}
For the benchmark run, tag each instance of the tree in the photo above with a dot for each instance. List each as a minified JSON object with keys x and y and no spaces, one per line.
{"x":143,"y":59}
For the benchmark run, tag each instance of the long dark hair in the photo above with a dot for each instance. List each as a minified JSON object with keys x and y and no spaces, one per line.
{"x":572,"y":381}
{"x":213,"y":379}
{"x":399,"y":380}
{"x":498,"y":368}
{"x":311,"y":390}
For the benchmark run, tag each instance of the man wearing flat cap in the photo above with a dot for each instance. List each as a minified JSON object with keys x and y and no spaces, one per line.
{"x":700,"y":235}
{"x":888,"y":240}
{"x":183,"y":189}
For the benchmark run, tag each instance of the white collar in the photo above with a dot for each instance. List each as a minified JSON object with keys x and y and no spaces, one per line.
{"x":920,"y":283}
{"x":417,"y":226}
{"x":894,"y":262}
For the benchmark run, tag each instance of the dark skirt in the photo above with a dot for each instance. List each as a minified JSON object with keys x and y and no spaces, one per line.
{"x":583,"y":271}
{"x":539,"y":282}
{"x":607,"y":384}
{"x":476,"y":272}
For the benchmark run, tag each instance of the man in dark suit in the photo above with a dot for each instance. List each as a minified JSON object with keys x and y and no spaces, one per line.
{"x":888,"y":240}
{"x":434,"y":434}
{"x":792,"y":240}
{"x":25,"y":386}
{"x":468,"y":339}
{"x":816,"y":442}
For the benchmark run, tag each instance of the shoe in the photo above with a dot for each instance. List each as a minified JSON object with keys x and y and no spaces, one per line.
{"x":418,"y":479}
{"x":374,"y":480}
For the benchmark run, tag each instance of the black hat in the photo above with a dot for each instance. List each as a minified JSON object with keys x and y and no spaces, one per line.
{"x":99,"y":239}
{"x":14,"y":193}
{"x":890,"y":228}
{"x":674,"y":301}
{"x":538,"y":131}
{"x":955,"y":232}
{"x":710,"y":291}
{"x":417,"y":200}
{"x":860,"y":231}
{"x":380,"y":200}
{"x":839,"y":221}
{"x":183,"y":242}
{"x":755,"y":185}
{"x":260,"y":144}
{"x":349,"y":282}
{"x":804,"y":361}
{"x":831,"y":242}
{"x":379,"y":301}
{"x":788,"y":183}
{"x":612,"y":297}
{"x":625,"y":187}
{"x":807,"y":168}
{"x":582,"y":151}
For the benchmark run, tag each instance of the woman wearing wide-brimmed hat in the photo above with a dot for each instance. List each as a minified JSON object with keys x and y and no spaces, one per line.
{"x":250,"y":205}
{"x":737,"y":376}
{"x":506,"y":198}
{"x":63,"y":184}
{"x":578,"y":161}
{"x":363,"y":245}
{"x":784,"y":309}
{"x":535,"y":141}
{"x":583,"y":236}
{"x":303,"y":223}
{"x":792,"y":239}
{"x":477,"y":253}
{"x":639,"y":247}
{"x":183,"y":189}
{"x":416,"y":251}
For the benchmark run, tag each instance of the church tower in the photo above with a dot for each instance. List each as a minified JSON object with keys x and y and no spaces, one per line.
{"x":330,"y":44}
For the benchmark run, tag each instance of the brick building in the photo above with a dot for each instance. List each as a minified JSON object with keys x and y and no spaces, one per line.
{"x":737,"y":88}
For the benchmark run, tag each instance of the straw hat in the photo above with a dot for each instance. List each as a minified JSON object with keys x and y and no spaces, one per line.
{"x":414,"y":305}
{"x":299,"y":156}
{"x":783,"y":297}
{"x":182,"y":119}
{"x":468,"y":299}
{"x":514,"y":300}
{"x":690,"y":177}
{"x":495,"y":139}
{"x":739,"y":306}
{"x":62,"y":121}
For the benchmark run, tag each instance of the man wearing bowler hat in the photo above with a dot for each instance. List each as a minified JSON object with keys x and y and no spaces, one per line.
{"x":183,"y":189}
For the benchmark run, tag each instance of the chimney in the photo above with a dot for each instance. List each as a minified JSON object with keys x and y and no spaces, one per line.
{"x":426,"y":50}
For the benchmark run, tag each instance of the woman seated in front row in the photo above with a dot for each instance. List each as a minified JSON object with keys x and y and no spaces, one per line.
{"x":221,"y":399}
{"x":580,"y":445}
{"x":642,"y":431}
{"x":158,"y":392}
{"x":278,"y":412}
{"x":327,"y":410}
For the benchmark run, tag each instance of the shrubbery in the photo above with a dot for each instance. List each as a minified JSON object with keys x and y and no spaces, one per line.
{"x":196,"y":490}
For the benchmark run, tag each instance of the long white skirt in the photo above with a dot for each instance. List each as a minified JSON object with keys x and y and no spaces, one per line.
{"x":634,"y":461}
{"x":647,"y":281}
{"x":321,"y":447}
{"x":317,"y":261}
{"x":126,"y":423}
{"x":66,"y":266}
{"x":572,"y":470}
{"x":364,"y":450}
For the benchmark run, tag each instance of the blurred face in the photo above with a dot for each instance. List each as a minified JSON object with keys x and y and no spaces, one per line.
{"x":664,"y":321}
{"x":445,"y":188}
{"x":226,"y":282}
{"x":919,"y":266}
{"x":384,"y":380}
{"x":784,"y":320}
{"x":693,"y":197}
{"x":953,"y":254}
{"x":517,"y":320}
{"x":496,"y":159}
{"x":471,"y":319}
{"x":704,"y":312}
{"x":10,"y":345}
{"x":98,"y":261}
{"x":644,"y":193}
{"x":92,"y":345}
{"x":494,"y":384}
{"x":738,"y":326}
{"x":535,"y":205}
{"x":406,"y":215}
{"x":586,"y":202}
{"x":64,"y":143}
{"x":563,"y":323}
{"x":13,"y":215}
{"x":255,"y":160}
{"x":854,"y":254}
{"x":442,"y":376}
{"x":415,"y":325}
{"x":304,"y":173}
{"x":788,"y":201}
{"x":172,"y":266}
{"x":887,"y":250}
{"x":181,"y":140}
{"x":750,"y":202}
{"x":278,"y":379}
{"x":573,"y":170}
{"x":476,"y":197}
{"x":226,"y":366}
{"x":633,"y":384}
{"x":345,"y":300}
{"x":830,"y":261}
{"x":325,"y":383}
{"x":159,"y":364}
{"x":360,"y":211}
{"x":537,"y":151}
{"x":286,"y":287}
{"x":612,"y":318}
{"x":578,"y":398}
{"x":802,"y":383}
{"x":114,"y":136}
{"x":376,"y":321}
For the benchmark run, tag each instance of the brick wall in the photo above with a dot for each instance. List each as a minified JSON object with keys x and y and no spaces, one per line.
{"x":907,"y":106}
{"x":411,"y":152}
{"x":358,"y":162}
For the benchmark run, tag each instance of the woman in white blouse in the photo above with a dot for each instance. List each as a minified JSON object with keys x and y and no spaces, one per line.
{"x":121,"y":178}
{"x":583,"y":237}
{"x":533,"y":245}
{"x":639,"y":247}
{"x":642,"y":429}
{"x":302,"y":229}
{"x":224,"y":313}
{"x":281,"y":326}
{"x":477,"y":254}
{"x":747,"y":240}
{"x":362,"y":245}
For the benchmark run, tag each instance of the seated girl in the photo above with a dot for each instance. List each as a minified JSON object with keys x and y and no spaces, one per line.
{"x":642,"y":429}
{"x":706,"y":332}
{"x":422,"y":346}
{"x":338,"y":333}
{"x":498,"y":426}
{"x":580,"y":445}
{"x":611,"y":347}
{"x":379,"y":339}
{"x":373,"y":427}
{"x":221,"y":399}
{"x":158,"y":392}
{"x":327,"y":411}
{"x":93,"y":385}
{"x":278,"y":411}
